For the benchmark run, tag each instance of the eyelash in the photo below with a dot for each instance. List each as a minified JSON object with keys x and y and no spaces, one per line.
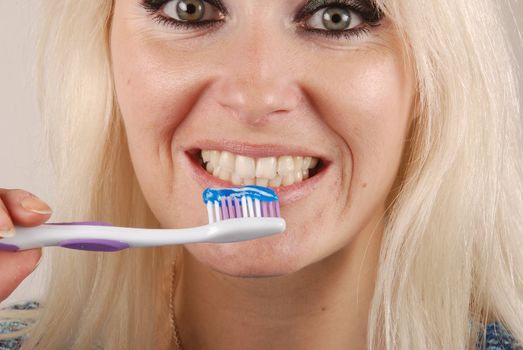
{"x":346,"y":34}
{"x":370,"y":18}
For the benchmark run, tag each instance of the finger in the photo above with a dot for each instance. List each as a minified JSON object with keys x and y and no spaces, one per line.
{"x":25,"y":208}
{"x":15,"y":267}
{"x":6,"y":224}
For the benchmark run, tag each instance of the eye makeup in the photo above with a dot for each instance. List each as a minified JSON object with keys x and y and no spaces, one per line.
{"x":369,"y":14}
{"x":155,"y":5}
{"x":366,"y":9}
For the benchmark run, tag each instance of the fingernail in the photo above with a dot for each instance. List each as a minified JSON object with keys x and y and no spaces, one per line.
{"x":35,"y":205}
{"x":7,"y":232}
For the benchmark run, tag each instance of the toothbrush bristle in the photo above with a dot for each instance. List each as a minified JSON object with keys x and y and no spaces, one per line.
{"x":243,"y":202}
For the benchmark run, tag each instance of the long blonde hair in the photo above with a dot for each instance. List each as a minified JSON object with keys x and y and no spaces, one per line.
{"x":452,"y":253}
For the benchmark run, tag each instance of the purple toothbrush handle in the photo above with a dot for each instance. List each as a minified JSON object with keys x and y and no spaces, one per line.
{"x":98,"y":245}
{"x":8,"y":247}
{"x":95,"y":245}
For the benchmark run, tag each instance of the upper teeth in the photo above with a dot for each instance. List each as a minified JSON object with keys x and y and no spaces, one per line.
{"x":269,"y":171}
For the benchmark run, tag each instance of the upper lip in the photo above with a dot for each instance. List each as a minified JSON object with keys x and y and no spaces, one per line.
{"x":254,"y":150}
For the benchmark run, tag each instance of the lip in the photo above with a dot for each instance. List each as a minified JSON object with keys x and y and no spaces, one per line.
{"x":255,"y":151}
{"x":286,"y":194}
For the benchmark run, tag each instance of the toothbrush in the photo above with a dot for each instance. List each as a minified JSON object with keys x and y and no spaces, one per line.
{"x":235,"y":214}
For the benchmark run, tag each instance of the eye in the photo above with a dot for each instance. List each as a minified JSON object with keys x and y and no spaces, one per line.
{"x":191,"y":11}
{"x":334,"y":18}
{"x":185,"y":14}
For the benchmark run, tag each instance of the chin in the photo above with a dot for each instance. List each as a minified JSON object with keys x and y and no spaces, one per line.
{"x":245,"y":259}
{"x":250,"y":274}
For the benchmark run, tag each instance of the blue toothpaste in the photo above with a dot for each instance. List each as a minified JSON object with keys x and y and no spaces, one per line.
{"x":264,"y":194}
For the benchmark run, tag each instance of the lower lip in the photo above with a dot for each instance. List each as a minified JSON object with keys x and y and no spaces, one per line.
{"x":286,"y":194}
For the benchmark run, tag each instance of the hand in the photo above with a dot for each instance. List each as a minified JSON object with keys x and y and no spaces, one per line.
{"x":18,"y":207}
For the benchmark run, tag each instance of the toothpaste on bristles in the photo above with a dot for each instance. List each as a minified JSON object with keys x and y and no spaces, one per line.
{"x":241,"y":202}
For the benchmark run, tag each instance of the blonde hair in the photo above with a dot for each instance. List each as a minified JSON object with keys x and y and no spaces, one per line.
{"x":453,"y":247}
{"x":452,"y":253}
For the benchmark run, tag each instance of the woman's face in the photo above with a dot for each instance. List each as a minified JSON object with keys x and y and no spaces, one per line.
{"x":271,"y":86}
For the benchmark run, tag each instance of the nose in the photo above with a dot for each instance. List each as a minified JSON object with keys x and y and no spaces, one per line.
{"x":256,"y":101}
{"x":257,"y":82}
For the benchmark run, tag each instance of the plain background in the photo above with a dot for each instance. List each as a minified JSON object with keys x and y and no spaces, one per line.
{"x":22,"y":164}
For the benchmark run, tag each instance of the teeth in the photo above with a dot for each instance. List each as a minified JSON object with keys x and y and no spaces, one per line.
{"x":236,"y":179}
{"x":306,"y":162}
{"x":268,"y":171}
{"x":214,"y":157}
{"x":206,"y":156}
{"x":305,"y":174}
{"x":249,"y":182}
{"x":224,"y":175}
{"x":298,"y":175}
{"x":262,"y":182}
{"x":298,"y":163}
{"x":275,"y":182}
{"x":227,"y":161}
{"x":245,"y":167}
{"x":285,"y":165}
{"x":266,"y":167}
{"x":288,"y":179}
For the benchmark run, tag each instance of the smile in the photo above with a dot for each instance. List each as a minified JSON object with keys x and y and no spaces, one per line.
{"x":267,"y":171}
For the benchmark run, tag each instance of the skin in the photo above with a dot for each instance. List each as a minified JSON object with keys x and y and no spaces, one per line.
{"x":18,"y":207}
{"x":256,"y":79}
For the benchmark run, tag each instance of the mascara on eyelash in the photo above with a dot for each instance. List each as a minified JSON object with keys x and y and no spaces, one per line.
{"x":183,"y":25}
{"x":155,"y":5}
{"x":366,"y":8}
{"x":371,"y":17}
{"x":347,"y":34}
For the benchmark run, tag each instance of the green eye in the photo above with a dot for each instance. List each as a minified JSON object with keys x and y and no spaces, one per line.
{"x":334,"y":18}
{"x":190,"y":10}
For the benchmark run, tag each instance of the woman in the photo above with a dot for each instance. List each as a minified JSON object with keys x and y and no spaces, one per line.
{"x":403,"y":230}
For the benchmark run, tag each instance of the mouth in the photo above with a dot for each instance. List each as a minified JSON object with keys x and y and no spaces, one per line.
{"x":265,"y":171}
{"x":288,"y":172}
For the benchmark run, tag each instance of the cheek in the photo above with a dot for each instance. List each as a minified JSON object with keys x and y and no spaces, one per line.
{"x":369,"y":110}
{"x":155,"y":95}
{"x":157,"y":85}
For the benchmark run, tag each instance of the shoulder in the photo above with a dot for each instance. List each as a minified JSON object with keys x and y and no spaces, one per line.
{"x":498,"y":337}
{"x":12,"y":326}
